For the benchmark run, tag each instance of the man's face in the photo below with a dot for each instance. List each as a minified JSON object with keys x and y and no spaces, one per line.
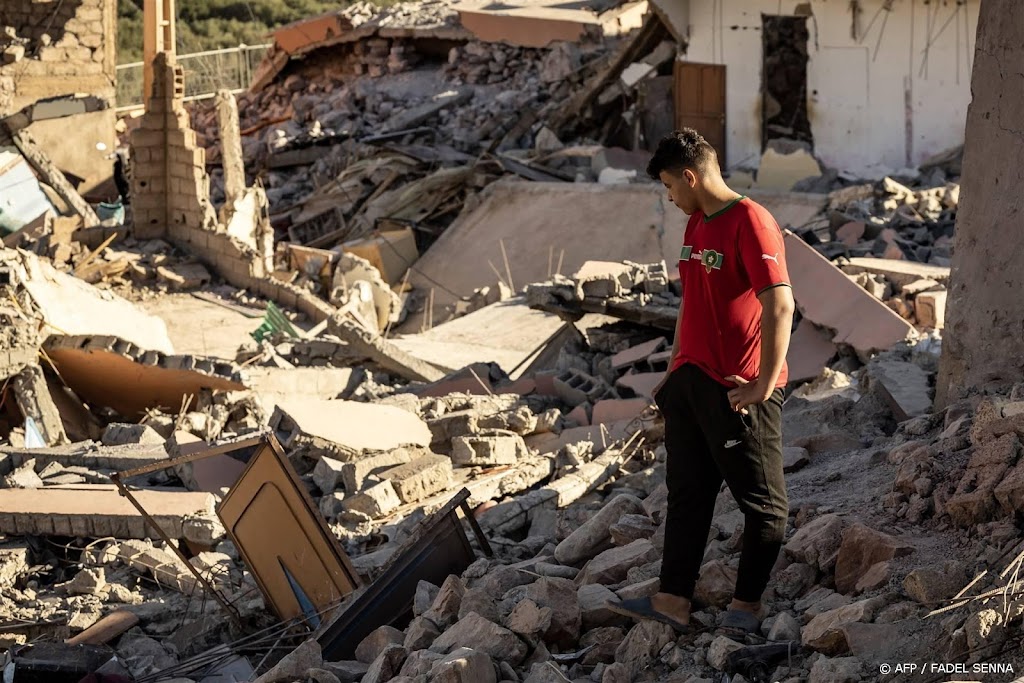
{"x":681,"y":189}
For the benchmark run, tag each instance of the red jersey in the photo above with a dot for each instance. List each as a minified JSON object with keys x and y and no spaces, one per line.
{"x":728,"y":259}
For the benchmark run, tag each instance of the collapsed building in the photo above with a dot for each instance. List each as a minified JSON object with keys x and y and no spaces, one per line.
{"x":358,"y":387}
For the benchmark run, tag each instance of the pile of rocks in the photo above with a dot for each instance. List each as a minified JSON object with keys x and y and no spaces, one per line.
{"x":890,"y":220}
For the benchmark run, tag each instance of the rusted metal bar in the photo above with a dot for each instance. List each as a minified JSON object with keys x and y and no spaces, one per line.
{"x":232,"y":613}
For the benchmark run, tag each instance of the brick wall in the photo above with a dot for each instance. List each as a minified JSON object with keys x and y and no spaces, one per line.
{"x":171,"y":198}
{"x":68,"y":46}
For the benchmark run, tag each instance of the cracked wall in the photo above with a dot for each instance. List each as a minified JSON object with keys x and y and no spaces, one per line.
{"x":61,"y":48}
{"x":983,"y":342}
{"x":885,"y":89}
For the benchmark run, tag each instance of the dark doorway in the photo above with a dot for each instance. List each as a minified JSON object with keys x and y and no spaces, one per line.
{"x":784,"y":79}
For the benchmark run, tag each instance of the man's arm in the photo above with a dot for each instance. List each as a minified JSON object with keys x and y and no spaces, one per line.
{"x":777,"y":309}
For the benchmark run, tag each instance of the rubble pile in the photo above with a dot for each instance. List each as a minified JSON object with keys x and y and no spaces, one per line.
{"x":226,"y":516}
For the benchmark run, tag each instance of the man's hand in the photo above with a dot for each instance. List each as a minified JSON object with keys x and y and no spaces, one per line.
{"x":747,"y":393}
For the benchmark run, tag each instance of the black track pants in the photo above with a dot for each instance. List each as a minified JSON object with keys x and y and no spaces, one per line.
{"x":708,"y":442}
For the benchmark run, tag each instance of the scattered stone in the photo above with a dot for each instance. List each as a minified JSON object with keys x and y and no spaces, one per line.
{"x":119,"y":433}
{"x":612,"y":565}
{"x":374,"y":501}
{"x":817,"y":542}
{"x":716,"y":584}
{"x":593,"y":536}
{"x":464,"y":665}
{"x":528,"y":619}
{"x":387,"y":665}
{"x":784,"y":628}
{"x":89,"y":581}
{"x":475,"y":632}
{"x":444,"y":611}
{"x":372,"y":645}
{"x":824,"y":632}
{"x":861,"y":548}
{"x":327,"y":474}
{"x":719,"y":651}
{"x":295,"y":664}
{"x":836,"y":670}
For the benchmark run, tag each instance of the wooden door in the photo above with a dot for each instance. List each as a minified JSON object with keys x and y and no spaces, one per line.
{"x":700,"y":102}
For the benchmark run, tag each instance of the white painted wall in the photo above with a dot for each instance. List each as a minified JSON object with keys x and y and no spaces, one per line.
{"x":858,"y":90}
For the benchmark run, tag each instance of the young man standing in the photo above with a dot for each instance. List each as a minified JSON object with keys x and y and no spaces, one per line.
{"x":722,"y":396}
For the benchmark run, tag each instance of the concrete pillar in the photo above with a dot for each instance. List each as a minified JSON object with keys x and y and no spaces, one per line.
{"x":983,"y":344}
{"x":158,"y":35}
{"x":230,"y":151}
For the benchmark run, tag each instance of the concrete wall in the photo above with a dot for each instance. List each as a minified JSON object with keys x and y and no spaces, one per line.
{"x":858,"y":90}
{"x":70,"y":47}
{"x":983,"y":342}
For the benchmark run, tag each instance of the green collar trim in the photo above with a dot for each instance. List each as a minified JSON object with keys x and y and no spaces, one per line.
{"x":725,"y":208}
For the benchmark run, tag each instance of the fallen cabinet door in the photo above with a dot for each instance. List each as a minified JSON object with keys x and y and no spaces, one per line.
{"x":296,"y":561}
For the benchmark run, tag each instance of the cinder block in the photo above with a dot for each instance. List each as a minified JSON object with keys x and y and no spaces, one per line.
{"x":146,"y":137}
{"x":420,"y":478}
{"x":487,"y":451}
{"x":930,"y":309}
{"x":375,"y":501}
{"x":354,"y":474}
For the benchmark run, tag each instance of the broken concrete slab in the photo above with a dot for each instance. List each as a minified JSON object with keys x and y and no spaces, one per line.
{"x":641,"y":383}
{"x":828,"y":298}
{"x":414,"y":116}
{"x":901,"y":272}
{"x":810,"y":350}
{"x":346,"y":428}
{"x":508,"y":333}
{"x":636,"y":355}
{"x":904,"y":385}
{"x":84,"y":454}
{"x":72,"y":307}
{"x":381,"y":351}
{"x":617,"y":410}
{"x":97,"y":511}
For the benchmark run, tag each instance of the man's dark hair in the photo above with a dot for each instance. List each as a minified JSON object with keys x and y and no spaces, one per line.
{"x":683,"y":149}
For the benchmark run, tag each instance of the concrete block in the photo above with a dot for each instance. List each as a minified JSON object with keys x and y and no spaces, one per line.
{"x":453,"y":424}
{"x":420,"y":478}
{"x":375,"y":501}
{"x":327,"y":474}
{"x":930,"y":309}
{"x":487,"y":451}
{"x":354,"y":474}
{"x":637,"y":354}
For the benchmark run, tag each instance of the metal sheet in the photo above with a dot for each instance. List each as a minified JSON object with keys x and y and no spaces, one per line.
{"x":282,"y":538}
{"x":441,"y":549}
{"x":21,"y":199}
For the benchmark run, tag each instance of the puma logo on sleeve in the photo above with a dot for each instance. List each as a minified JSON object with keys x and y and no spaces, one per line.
{"x":766,"y":257}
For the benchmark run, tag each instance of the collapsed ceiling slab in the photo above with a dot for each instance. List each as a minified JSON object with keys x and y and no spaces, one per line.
{"x":70,"y":306}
